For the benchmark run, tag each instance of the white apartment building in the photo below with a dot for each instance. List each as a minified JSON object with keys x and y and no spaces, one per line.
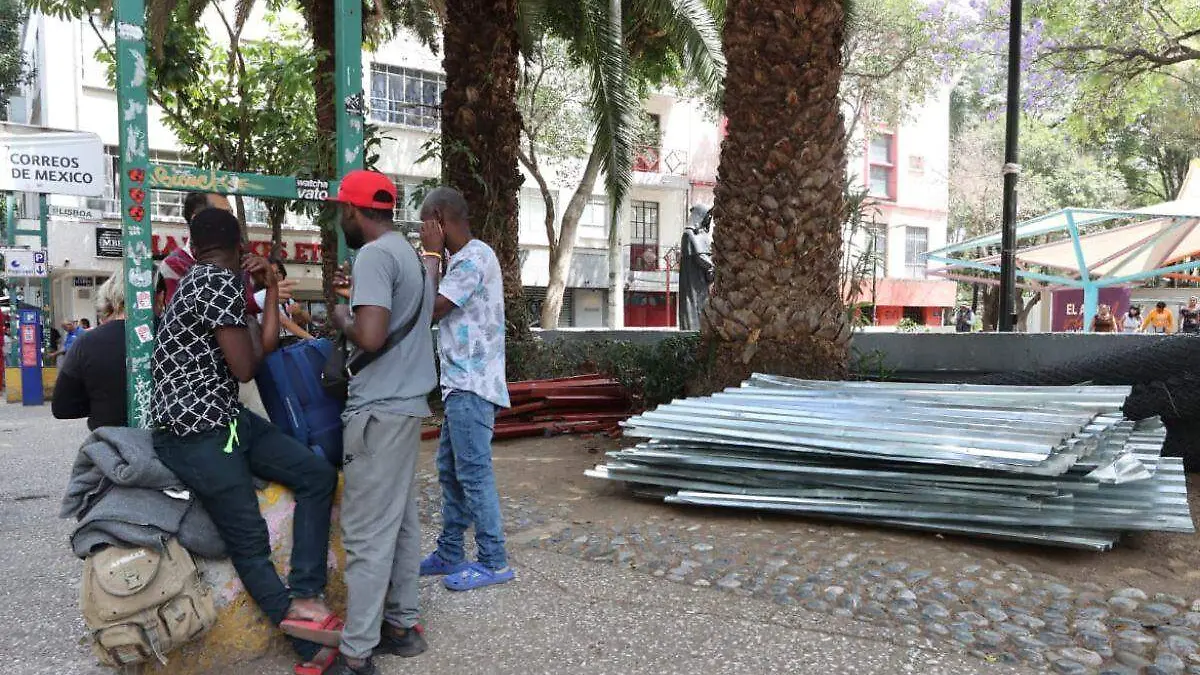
{"x":403,"y":83}
{"x":905,"y":170}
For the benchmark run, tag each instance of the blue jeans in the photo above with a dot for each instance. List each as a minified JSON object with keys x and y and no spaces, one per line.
{"x":224,"y":484}
{"x":469,"y":496}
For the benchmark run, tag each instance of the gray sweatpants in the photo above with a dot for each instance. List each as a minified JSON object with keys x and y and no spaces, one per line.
{"x":380,"y":527}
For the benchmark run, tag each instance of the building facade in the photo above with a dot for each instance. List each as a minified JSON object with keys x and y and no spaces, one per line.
{"x":904,"y":170}
{"x":403,"y":81}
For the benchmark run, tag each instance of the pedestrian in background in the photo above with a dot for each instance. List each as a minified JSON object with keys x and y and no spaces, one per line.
{"x":91,"y":383}
{"x":1104,"y":321}
{"x":1133,"y":320}
{"x":1189,"y":317}
{"x":72,"y":333}
{"x":470,"y":314}
{"x":1159,"y":320}
{"x":964,"y":319}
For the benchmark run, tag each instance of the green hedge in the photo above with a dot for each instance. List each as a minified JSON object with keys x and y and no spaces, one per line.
{"x":654,"y":373}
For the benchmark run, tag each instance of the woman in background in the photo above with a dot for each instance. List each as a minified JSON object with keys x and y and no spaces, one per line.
{"x":91,"y":383}
{"x":1133,"y":320}
{"x":1104,"y":321}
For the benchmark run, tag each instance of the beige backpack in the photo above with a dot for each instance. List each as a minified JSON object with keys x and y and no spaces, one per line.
{"x":140,"y":604}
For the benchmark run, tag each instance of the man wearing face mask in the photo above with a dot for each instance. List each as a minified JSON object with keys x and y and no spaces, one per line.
{"x":389,"y":316}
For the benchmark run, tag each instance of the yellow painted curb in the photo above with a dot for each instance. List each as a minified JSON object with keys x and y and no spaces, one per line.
{"x":12,"y":383}
{"x":242,"y":632}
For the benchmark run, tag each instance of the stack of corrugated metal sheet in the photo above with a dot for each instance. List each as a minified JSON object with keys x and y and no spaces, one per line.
{"x":1052,"y":465}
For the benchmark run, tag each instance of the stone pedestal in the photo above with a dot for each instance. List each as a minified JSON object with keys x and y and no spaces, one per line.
{"x":242,"y":632}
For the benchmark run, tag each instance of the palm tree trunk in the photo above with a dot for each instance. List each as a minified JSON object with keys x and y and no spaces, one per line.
{"x":777,"y":305}
{"x":481,"y":131}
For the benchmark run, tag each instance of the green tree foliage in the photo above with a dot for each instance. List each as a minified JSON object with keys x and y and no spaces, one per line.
{"x":237,"y":104}
{"x":1055,"y":173}
{"x":14,"y":68}
{"x":897,"y":53}
{"x":1121,"y":76}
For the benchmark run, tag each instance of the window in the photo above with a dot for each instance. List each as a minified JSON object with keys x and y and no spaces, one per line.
{"x":256,"y":210}
{"x":405,"y":96}
{"x":648,"y":153}
{"x":595,"y":219}
{"x":643,"y":242}
{"x":107,"y":203}
{"x":531,"y":214}
{"x":167,"y":204}
{"x":916,"y":245}
{"x":881,"y":166}
{"x":877,"y":242}
{"x":406,"y":216}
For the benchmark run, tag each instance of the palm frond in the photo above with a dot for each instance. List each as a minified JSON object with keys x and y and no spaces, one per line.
{"x":242,"y":14}
{"x":613,"y":102}
{"x":531,"y":26}
{"x":423,"y":17}
{"x":691,"y":26}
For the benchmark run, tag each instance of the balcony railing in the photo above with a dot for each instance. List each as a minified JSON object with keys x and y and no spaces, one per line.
{"x":652,"y":159}
{"x":644,"y":258}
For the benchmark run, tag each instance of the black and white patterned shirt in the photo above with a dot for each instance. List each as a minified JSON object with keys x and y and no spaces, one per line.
{"x":194,"y":390}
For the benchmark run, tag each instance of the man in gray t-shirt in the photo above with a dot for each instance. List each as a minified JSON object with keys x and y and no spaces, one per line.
{"x":388,"y":274}
{"x":391,"y":294}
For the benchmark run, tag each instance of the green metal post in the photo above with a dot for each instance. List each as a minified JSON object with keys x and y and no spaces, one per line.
{"x":348,"y":90}
{"x":134,"y":164}
{"x":10,"y":238}
{"x":44,"y":236}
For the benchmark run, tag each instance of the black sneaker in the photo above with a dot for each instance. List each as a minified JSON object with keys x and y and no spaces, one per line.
{"x":406,"y":642}
{"x":342,"y":667}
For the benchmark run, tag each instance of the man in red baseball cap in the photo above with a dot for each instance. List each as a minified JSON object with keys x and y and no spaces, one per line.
{"x":391,"y":294}
{"x":362,"y":189}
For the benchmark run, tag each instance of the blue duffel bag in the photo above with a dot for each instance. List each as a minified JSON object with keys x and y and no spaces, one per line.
{"x":289,"y":383}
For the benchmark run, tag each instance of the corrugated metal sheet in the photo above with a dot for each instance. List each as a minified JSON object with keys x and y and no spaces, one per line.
{"x":1051,"y":465}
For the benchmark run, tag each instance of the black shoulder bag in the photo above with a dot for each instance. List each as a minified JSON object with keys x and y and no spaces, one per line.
{"x":335,"y":376}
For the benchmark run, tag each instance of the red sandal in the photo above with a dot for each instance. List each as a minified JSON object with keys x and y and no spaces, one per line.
{"x":326,"y":632}
{"x":316,"y":667}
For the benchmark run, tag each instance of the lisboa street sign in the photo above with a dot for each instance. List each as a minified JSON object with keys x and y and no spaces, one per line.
{"x":35,"y":159}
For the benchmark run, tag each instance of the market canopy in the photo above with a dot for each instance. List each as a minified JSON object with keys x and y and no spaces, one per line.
{"x":1090,"y":248}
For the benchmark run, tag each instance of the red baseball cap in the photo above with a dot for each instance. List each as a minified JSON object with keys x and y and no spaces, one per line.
{"x":362,"y":188}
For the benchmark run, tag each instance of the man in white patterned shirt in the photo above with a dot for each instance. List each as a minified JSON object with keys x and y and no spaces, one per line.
{"x":470,"y":311}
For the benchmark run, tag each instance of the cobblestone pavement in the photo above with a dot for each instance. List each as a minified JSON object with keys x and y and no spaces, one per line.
{"x":994,"y":610}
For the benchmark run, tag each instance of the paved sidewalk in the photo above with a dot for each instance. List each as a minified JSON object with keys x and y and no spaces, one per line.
{"x":563,"y":616}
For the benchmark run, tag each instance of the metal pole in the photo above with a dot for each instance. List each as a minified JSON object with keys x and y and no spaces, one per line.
{"x":348,"y":92}
{"x":1012,"y":170}
{"x":10,"y":233}
{"x":44,"y":232}
{"x":135,"y":223}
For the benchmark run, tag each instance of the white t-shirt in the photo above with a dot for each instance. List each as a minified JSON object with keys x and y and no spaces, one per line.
{"x":471,"y":337}
{"x":260,"y":299}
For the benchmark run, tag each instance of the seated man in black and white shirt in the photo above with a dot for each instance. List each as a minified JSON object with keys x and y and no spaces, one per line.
{"x":206,"y":345}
